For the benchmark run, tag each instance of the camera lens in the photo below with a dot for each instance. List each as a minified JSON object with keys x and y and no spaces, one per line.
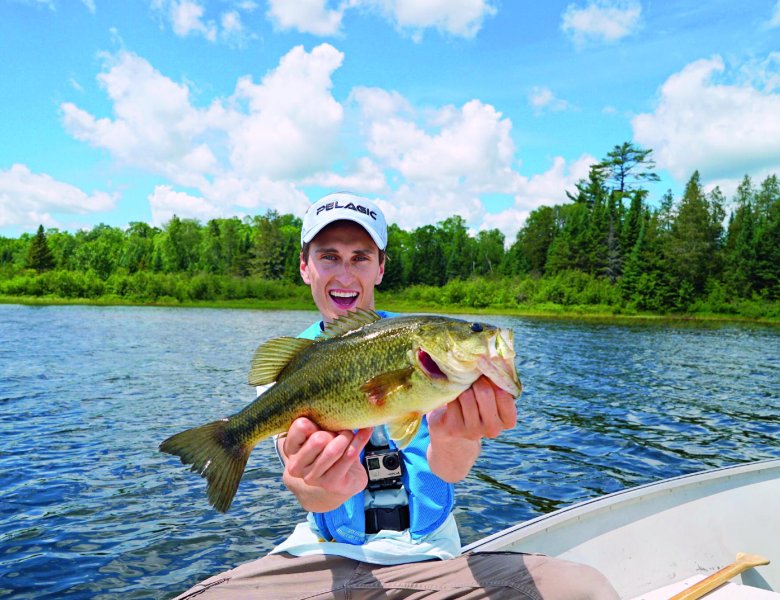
{"x":390,"y":462}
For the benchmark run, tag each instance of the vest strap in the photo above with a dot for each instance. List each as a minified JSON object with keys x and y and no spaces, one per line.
{"x":395,"y":518}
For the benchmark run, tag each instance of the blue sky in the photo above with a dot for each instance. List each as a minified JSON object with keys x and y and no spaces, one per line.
{"x":114,"y":112}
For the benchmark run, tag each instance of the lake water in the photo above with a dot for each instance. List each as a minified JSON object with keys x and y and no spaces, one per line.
{"x":90,"y":509}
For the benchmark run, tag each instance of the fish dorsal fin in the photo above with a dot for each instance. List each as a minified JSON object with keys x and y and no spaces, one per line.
{"x":273,"y":356}
{"x":349,"y":322}
{"x":403,"y":430}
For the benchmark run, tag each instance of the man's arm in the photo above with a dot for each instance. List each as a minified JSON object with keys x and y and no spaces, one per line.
{"x":322,"y":468}
{"x":456,"y":430}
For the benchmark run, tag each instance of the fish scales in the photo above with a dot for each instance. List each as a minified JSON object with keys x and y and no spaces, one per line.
{"x":365,"y":372}
{"x":331,"y":372}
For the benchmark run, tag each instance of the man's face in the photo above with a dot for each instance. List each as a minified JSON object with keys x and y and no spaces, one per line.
{"x":342,"y":269}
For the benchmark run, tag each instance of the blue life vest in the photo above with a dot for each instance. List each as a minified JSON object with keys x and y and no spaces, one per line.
{"x":430,"y":498}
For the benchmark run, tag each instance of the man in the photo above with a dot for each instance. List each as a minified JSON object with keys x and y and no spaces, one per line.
{"x":389,"y":536}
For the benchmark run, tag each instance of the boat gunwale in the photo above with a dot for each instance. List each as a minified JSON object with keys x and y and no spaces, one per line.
{"x":608,"y":502}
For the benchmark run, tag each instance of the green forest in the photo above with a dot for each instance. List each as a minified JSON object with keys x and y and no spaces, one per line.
{"x":607,"y":251}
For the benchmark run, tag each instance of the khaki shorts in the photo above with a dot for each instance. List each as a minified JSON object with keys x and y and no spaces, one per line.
{"x":488,"y":575}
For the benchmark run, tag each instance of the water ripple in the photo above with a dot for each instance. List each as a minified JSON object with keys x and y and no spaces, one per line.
{"x":91,"y":509}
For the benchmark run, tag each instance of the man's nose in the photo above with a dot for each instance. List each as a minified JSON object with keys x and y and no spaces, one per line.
{"x":346,"y":269}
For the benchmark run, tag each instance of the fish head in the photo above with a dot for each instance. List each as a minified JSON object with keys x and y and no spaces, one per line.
{"x":461,"y":351}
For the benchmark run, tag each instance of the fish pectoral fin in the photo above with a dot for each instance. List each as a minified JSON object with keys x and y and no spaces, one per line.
{"x":403,"y":430}
{"x":273,"y":356}
{"x":379,"y":388}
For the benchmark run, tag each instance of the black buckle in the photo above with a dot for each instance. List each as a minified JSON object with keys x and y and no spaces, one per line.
{"x":395,"y":519}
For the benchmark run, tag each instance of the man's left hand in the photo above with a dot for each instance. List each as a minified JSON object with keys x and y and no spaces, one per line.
{"x":483,"y":410}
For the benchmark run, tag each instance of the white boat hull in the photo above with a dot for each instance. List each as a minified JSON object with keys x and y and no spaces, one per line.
{"x":658,"y":534}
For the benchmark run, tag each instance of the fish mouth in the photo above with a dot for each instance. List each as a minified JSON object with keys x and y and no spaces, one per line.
{"x":429,"y":366}
{"x":344,"y":299}
{"x":499,"y":364}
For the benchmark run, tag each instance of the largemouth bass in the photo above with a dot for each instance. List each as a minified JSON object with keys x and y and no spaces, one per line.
{"x":361,"y":372}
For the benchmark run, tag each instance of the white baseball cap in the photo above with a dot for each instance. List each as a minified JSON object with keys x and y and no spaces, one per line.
{"x":344,"y":206}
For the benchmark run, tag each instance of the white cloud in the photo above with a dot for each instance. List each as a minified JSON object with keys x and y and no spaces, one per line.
{"x":165,"y":203}
{"x":542,"y":99}
{"x":441,"y":162}
{"x":293,"y":122}
{"x":90,"y":4}
{"x":461,"y":18}
{"x":263,"y":145}
{"x":762,"y":74}
{"x":601,"y":21}
{"x":774,"y":20}
{"x":255,"y":144}
{"x":254,"y":194}
{"x":306,"y":16}
{"x":365,"y":177}
{"x":29,"y":199}
{"x":437,"y":161}
{"x":466,"y":147}
{"x":376,"y":104}
{"x":188,"y":18}
{"x":543,"y":189}
{"x":414,"y":205}
{"x":233,"y":30}
{"x":76,"y":85}
{"x":155,"y":126}
{"x":723,"y":130}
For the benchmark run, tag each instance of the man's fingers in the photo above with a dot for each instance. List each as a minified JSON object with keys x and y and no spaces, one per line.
{"x":359,"y":442}
{"x":469,"y":412}
{"x":327,"y":452}
{"x":485,"y":395}
{"x":487,"y":410}
{"x":298,"y":434}
{"x":326,"y":457}
{"x":507,"y":409}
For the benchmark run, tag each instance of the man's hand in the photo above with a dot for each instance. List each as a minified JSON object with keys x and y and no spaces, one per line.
{"x":323,"y":468}
{"x":483,"y":410}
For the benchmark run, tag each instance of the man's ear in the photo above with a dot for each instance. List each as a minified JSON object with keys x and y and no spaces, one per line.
{"x":381,"y":272}
{"x":304,"y":267}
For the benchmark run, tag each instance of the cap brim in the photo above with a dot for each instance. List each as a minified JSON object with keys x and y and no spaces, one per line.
{"x":312,"y":233}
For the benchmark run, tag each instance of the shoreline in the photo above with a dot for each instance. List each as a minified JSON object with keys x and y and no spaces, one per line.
{"x":549,"y":312}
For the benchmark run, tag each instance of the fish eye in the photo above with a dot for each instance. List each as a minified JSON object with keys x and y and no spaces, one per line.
{"x":476,"y":327}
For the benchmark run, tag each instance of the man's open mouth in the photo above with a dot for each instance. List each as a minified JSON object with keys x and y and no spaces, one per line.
{"x":344,"y":299}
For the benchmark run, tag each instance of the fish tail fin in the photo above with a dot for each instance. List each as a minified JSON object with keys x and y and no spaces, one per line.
{"x":213,"y":454}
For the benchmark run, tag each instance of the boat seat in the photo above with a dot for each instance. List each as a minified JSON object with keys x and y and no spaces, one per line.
{"x":728,"y":591}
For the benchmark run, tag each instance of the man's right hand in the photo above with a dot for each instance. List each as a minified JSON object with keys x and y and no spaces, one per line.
{"x":323,"y":468}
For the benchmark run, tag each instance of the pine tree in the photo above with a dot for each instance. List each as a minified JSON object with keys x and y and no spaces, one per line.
{"x":268,"y":251}
{"x":533,"y":241}
{"x":626,"y":166}
{"x":396,"y":258}
{"x":644,"y":281}
{"x":693,"y":245}
{"x":40,"y":256}
{"x":767,"y":265}
{"x":740,"y":246}
{"x":428,"y":263}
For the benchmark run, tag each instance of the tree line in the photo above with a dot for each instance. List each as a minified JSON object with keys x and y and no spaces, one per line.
{"x":607,"y":246}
